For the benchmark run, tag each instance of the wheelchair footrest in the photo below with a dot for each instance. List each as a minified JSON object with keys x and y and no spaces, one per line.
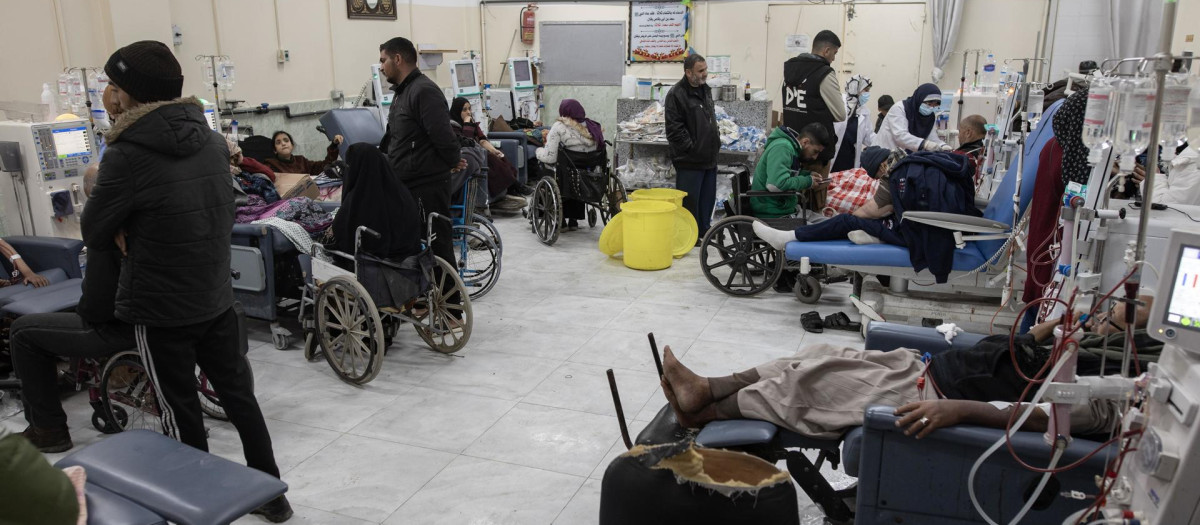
{"x":736,"y":432}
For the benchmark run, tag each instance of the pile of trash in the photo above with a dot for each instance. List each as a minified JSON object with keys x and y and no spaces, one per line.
{"x":650,"y":126}
{"x":648,"y":172}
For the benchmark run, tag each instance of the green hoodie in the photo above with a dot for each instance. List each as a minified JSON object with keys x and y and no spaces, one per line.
{"x":774,"y":173}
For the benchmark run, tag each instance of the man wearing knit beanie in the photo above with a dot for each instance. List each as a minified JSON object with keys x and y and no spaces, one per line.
{"x":163,"y":199}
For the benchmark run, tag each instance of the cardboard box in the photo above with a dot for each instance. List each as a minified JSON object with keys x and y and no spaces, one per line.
{"x":291,"y":185}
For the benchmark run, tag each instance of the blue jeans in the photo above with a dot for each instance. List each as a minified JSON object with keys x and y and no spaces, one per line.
{"x":701,"y":188}
{"x":838,"y":226}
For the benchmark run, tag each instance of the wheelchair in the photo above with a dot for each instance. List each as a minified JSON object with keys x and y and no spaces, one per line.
{"x":353,"y":315}
{"x":581,"y":176}
{"x":476,"y":240}
{"x":737,"y":262}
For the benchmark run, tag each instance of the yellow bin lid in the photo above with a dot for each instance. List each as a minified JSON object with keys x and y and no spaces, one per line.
{"x":612,"y":238}
{"x":686,"y":233}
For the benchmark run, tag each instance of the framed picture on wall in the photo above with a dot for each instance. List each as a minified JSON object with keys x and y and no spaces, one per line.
{"x":371,"y":9}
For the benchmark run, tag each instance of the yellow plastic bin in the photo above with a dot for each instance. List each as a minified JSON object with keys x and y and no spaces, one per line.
{"x":659,"y":194}
{"x":649,"y":231}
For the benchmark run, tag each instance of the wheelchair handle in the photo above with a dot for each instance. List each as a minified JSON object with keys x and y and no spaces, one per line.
{"x":363,"y":229}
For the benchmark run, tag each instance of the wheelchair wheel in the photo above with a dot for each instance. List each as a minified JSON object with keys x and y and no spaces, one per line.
{"x":591,"y":216}
{"x":128,"y":395}
{"x":736,"y":261}
{"x":545,"y":213}
{"x":614,"y":195}
{"x":440,"y":328}
{"x":311,"y":345}
{"x":807,"y":289}
{"x":489,"y":228}
{"x":478,"y":260}
{"x":350,"y":332}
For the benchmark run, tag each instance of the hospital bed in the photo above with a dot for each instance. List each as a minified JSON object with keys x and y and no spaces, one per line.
{"x":901,"y":479}
{"x":979,"y":269}
{"x":141,"y":477}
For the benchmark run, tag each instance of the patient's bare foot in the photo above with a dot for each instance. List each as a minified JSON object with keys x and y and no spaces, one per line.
{"x":687,"y":419}
{"x":691,"y":391}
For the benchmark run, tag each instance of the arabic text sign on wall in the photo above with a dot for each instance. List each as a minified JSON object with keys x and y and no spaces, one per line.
{"x":658,"y":31}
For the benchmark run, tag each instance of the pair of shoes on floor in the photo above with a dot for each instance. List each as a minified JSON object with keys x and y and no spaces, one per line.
{"x":277,"y":510}
{"x":49,"y":440}
{"x":570,"y":225}
{"x":814,"y":324}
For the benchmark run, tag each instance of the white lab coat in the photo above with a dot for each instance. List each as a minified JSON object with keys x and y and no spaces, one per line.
{"x":866,"y":133}
{"x":1183,"y":184}
{"x":894,"y":132}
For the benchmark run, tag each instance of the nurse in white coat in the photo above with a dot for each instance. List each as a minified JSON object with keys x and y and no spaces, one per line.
{"x":858,"y":92}
{"x":909,"y":125}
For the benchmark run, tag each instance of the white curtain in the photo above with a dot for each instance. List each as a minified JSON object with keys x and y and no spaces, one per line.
{"x":1136,"y":25}
{"x":946,"y":16}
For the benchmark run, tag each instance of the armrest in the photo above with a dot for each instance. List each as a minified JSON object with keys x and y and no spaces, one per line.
{"x":957,"y":222}
{"x":250,"y":231}
{"x":890,"y":336}
{"x":881,"y":419}
{"x":44,"y":253}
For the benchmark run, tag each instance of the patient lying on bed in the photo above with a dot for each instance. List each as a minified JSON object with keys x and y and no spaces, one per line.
{"x":823,"y":389}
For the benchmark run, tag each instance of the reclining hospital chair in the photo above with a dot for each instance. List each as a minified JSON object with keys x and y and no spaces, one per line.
{"x":56,"y":259}
{"x":902,"y":479}
{"x":978,"y":272}
{"x":141,"y":477}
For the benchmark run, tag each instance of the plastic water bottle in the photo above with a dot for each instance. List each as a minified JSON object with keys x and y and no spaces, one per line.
{"x":233,"y":130}
{"x":1174,"y":114}
{"x":1097,"y":118}
{"x":49,"y":112}
{"x":987,"y":80}
{"x":1135,"y":122}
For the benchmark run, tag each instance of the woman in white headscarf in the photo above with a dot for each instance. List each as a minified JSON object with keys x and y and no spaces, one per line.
{"x":849,"y":150}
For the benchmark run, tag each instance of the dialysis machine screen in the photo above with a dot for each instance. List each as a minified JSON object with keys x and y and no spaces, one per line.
{"x":1183,"y":308}
{"x":466,"y":75}
{"x":71,"y":142}
{"x":521,"y":71}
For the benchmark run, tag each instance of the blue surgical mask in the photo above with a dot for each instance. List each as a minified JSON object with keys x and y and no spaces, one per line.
{"x":927,"y":110}
{"x":863,"y":98}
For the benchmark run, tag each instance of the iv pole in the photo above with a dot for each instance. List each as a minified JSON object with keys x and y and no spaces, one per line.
{"x":212,"y":61}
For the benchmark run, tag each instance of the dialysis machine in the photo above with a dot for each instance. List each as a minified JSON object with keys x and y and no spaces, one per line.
{"x":210,"y":116}
{"x":464,"y":77}
{"x":45,"y":162}
{"x":522,"y":99}
{"x":383,"y":98}
{"x":1160,"y":481}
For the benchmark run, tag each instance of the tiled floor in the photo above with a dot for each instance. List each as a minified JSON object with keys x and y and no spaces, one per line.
{"x":519,"y":426}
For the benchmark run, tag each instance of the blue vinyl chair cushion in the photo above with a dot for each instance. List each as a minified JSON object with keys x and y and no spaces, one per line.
{"x":181,"y":483}
{"x":48,"y":299}
{"x":106,"y":507}
{"x":54,"y":275}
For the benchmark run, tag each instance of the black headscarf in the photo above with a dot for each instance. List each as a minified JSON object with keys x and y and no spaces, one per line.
{"x":456,"y":107}
{"x":374,"y":197}
{"x":920,"y":125}
{"x":1068,"y":130}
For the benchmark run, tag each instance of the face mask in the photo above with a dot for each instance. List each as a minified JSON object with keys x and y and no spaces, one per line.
{"x":863,"y":98}
{"x":927,"y":111}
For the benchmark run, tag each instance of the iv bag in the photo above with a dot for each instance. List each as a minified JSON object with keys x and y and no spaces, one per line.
{"x":1097,"y":119}
{"x":225,"y":75}
{"x":1135,"y":120}
{"x":1174,"y":114}
{"x":1033,"y":106}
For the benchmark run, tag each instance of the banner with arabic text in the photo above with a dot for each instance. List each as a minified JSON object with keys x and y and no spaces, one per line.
{"x":659,"y":31}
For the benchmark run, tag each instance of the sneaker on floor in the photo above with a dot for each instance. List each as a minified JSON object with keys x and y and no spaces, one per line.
{"x":277,"y":510}
{"x":572,"y":225}
{"x":517,"y":199}
{"x":49,"y":440}
{"x":508,"y":205}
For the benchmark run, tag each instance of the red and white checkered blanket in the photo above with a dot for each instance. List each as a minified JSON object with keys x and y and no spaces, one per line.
{"x":849,"y":190}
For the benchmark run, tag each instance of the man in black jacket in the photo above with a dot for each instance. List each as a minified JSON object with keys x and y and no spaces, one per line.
{"x":163,"y":199}
{"x":92,"y":331}
{"x":420,"y":145}
{"x":691,"y":125}
{"x":811,"y":92}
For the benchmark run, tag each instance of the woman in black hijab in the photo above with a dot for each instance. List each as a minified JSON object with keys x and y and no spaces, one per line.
{"x":374,"y":197}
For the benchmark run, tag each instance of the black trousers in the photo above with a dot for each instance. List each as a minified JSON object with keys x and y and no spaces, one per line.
{"x":171,"y":355}
{"x":39,"y":340}
{"x":435,"y":198}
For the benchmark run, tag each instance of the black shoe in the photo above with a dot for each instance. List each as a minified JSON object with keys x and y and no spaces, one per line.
{"x":572,"y":225}
{"x":277,"y":510}
{"x":49,"y":440}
